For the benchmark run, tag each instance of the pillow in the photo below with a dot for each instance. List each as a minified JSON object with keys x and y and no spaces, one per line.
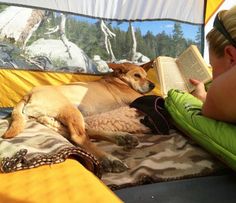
{"x":217,"y":137}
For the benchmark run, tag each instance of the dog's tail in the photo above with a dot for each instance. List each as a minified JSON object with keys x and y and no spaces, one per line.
{"x":18,"y":120}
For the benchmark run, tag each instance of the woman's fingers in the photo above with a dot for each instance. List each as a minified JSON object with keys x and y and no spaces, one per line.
{"x":194,"y":81}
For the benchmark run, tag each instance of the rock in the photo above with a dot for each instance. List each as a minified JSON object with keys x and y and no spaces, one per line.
{"x":56,"y":51}
{"x":10,"y":57}
{"x":140,"y":58}
{"x":102,"y":66}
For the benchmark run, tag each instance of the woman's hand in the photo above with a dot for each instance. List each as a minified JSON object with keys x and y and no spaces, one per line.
{"x":199,"y":91}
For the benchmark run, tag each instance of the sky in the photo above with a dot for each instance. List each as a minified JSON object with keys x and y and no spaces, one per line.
{"x":155,"y":27}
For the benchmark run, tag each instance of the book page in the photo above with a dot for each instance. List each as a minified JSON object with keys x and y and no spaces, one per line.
{"x":192,"y":65}
{"x":169,"y":75}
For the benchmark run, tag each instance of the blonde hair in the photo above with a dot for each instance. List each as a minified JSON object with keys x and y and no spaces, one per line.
{"x":215,"y":39}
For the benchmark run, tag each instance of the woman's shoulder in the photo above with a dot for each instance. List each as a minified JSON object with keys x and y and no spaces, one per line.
{"x":220,"y":103}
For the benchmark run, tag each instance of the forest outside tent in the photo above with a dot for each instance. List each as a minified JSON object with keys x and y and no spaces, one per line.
{"x":80,"y":44}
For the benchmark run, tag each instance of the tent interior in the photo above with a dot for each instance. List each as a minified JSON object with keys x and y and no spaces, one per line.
{"x":64,"y":41}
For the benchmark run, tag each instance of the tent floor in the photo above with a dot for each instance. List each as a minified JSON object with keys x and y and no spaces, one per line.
{"x":217,"y":189}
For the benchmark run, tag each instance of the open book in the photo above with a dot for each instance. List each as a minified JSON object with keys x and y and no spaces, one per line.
{"x":174,"y":73}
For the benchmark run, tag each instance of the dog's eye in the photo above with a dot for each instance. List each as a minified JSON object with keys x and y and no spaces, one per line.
{"x":137,"y":75}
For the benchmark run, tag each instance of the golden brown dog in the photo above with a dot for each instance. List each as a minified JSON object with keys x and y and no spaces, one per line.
{"x":69,"y":103}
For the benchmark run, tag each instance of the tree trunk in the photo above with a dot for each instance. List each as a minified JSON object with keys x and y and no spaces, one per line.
{"x":134,"y":47}
{"x":62,"y":28}
{"x":16,"y":32}
{"x":108,"y":34}
{"x":33,"y":24}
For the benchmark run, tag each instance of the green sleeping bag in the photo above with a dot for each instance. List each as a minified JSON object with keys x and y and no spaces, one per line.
{"x":217,"y":137}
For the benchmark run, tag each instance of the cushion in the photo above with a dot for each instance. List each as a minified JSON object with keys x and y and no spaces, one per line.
{"x":217,"y":137}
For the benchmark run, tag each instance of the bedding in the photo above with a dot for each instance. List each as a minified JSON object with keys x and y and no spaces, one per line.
{"x":160,"y":158}
{"x":215,"y":136}
{"x":156,"y":158}
{"x":37,"y":146}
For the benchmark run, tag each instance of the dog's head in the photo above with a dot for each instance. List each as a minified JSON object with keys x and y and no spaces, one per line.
{"x":134,"y":76}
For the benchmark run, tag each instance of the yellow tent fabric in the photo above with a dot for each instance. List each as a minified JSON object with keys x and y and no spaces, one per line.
{"x":212,"y":6}
{"x":59,"y":183}
{"x":152,"y":75}
{"x":16,"y":83}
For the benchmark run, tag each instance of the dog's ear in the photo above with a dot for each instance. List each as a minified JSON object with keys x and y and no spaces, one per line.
{"x":148,"y":65}
{"x":118,"y":69}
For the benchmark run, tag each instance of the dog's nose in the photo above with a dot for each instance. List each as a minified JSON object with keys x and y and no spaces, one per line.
{"x":151,"y":85}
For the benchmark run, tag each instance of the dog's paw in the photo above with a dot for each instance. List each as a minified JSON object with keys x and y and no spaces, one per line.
{"x":7,"y":135}
{"x":128,"y":141}
{"x":112,"y":164}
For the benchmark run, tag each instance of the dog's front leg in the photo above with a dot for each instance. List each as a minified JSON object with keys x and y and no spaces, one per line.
{"x":108,"y":162}
{"x":120,"y":138}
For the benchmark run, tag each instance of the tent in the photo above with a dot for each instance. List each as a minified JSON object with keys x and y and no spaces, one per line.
{"x":87,"y":66}
{"x":197,"y":13}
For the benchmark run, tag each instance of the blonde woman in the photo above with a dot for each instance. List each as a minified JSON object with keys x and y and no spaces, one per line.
{"x":220,"y":99}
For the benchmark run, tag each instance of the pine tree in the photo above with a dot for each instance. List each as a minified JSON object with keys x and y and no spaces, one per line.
{"x":198,"y":37}
{"x":164,"y":44}
{"x":150,"y":45}
{"x":179,"y":43}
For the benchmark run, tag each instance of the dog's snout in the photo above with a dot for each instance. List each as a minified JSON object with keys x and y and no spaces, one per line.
{"x":151,"y":85}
